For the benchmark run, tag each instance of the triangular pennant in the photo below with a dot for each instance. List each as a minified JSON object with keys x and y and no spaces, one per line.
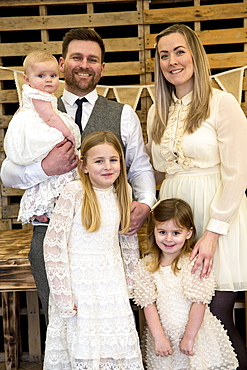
{"x":150,"y":89}
{"x":19,"y":81}
{"x":231,"y":81}
{"x":102,"y":90}
{"x":128,"y":95}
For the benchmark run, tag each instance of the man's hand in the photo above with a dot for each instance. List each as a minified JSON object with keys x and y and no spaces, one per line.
{"x":138,"y":215}
{"x":60,"y":159}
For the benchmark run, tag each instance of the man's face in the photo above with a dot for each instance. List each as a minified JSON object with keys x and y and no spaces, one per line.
{"x":82,"y":67}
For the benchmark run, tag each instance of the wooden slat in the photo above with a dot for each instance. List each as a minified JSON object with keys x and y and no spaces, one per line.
{"x":34,"y":340}
{"x":211,"y":37}
{"x":5,"y":191}
{"x":69,"y":21}
{"x":11,"y":329}
{"x":195,"y":13}
{"x":217,"y":61}
{"x":55,"y":47}
{"x":19,"y":3}
{"x":4,"y":121}
{"x":11,"y":211}
{"x":15,"y":270}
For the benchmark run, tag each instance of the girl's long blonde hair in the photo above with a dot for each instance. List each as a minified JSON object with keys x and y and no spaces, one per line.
{"x":169,"y":209}
{"x":199,"y":108}
{"x":91,"y":218}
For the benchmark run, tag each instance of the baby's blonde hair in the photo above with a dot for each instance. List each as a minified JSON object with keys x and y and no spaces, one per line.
{"x":37,"y":56}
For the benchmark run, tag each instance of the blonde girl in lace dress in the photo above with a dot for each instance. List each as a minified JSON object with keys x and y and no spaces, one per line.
{"x":91,"y":323}
{"x":197,"y":139}
{"x":35,"y":129}
{"x":181,"y":332}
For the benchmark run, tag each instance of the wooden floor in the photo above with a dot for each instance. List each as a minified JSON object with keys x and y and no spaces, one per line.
{"x":26,"y":365}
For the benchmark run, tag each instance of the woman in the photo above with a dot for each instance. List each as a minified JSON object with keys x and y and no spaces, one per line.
{"x":198,"y":139}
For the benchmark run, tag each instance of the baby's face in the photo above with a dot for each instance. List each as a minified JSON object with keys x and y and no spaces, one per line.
{"x":43,"y":76}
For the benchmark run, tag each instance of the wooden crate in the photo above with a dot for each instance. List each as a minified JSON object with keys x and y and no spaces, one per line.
{"x":128,"y":28}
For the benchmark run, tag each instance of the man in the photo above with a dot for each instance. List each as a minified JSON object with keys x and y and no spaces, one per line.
{"x":82,"y":63}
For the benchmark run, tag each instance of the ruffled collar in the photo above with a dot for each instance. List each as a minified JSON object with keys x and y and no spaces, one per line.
{"x":171,"y":143}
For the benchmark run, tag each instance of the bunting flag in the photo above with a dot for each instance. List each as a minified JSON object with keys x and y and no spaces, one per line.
{"x":130,"y":95}
{"x":230,"y":81}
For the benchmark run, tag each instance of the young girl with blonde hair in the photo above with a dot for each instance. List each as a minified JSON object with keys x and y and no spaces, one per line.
{"x":91,"y":324}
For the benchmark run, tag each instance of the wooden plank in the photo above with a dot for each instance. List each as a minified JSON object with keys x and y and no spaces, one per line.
{"x":4,"y":121}
{"x":70,"y":21}
{"x":216,"y":61}
{"x":8,"y":96}
{"x":195,"y":13}
{"x":55,"y":47}
{"x":210,"y":37}
{"x":34,"y":342}
{"x":19,"y":3}
{"x":11,"y":329}
{"x":11,"y":211}
{"x":15,"y":270}
{"x":5,"y":191}
{"x":111,"y":69}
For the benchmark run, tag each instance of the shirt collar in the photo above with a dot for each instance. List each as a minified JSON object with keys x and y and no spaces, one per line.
{"x":70,"y":98}
{"x":185,"y":100}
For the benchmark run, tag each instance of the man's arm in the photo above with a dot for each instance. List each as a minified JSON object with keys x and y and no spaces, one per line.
{"x":60,"y":159}
{"x":140,"y":170}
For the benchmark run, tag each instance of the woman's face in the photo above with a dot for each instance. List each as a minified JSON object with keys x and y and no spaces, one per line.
{"x":176,"y":63}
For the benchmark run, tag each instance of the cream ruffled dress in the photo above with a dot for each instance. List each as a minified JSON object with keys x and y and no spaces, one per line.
{"x":174,"y":295}
{"x":208,"y":169}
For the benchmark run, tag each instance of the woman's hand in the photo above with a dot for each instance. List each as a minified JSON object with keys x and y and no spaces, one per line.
{"x":205,"y":249}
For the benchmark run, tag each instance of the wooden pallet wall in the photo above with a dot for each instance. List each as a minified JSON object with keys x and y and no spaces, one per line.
{"x":128,"y":28}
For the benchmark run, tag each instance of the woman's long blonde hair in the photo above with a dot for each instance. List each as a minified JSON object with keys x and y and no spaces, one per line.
{"x":91,"y":218}
{"x":169,"y":209}
{"x":199,"y":108}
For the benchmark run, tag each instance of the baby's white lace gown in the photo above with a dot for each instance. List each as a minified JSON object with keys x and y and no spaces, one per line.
{"x":174,"y":295}
{"x":90,"y":274}
{"x":28,"y":140}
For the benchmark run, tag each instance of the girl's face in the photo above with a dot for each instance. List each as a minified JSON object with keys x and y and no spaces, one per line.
{"x":102,"y":165}
{"x":43,"y":76}
{"x":176,"y":63}
{"x":170,"y":238}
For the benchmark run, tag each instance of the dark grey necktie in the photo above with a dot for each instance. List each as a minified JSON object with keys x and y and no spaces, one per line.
{"x":79,"y":112}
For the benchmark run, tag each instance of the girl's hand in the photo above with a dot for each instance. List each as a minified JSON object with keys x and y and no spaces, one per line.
{"x":205,"y":249}
{"x":186,"y":346}
{"x":162,"y":347}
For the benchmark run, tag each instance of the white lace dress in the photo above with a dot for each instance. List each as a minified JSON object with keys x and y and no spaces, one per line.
{"x":29,"y":139}
{"x":174,"y":295}
{"x":86,"y":269}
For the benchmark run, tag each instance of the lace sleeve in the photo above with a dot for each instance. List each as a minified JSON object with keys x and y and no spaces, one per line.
{"x":196,"y":289}
{"x":144,"y":291}
{"x":130,"y":255}
{"x":56,"y":253}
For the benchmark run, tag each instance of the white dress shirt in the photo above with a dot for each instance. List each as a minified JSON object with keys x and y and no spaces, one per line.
{"x":140,"y":173}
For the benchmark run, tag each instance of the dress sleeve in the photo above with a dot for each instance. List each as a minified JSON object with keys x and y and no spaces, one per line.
{"x":56,"y":253}
{"x":232,"y":140}
{"x":196,"y":289}
{"x":145,"y":292}
{"x":130,"y":255}
{"x":36,"y":94}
